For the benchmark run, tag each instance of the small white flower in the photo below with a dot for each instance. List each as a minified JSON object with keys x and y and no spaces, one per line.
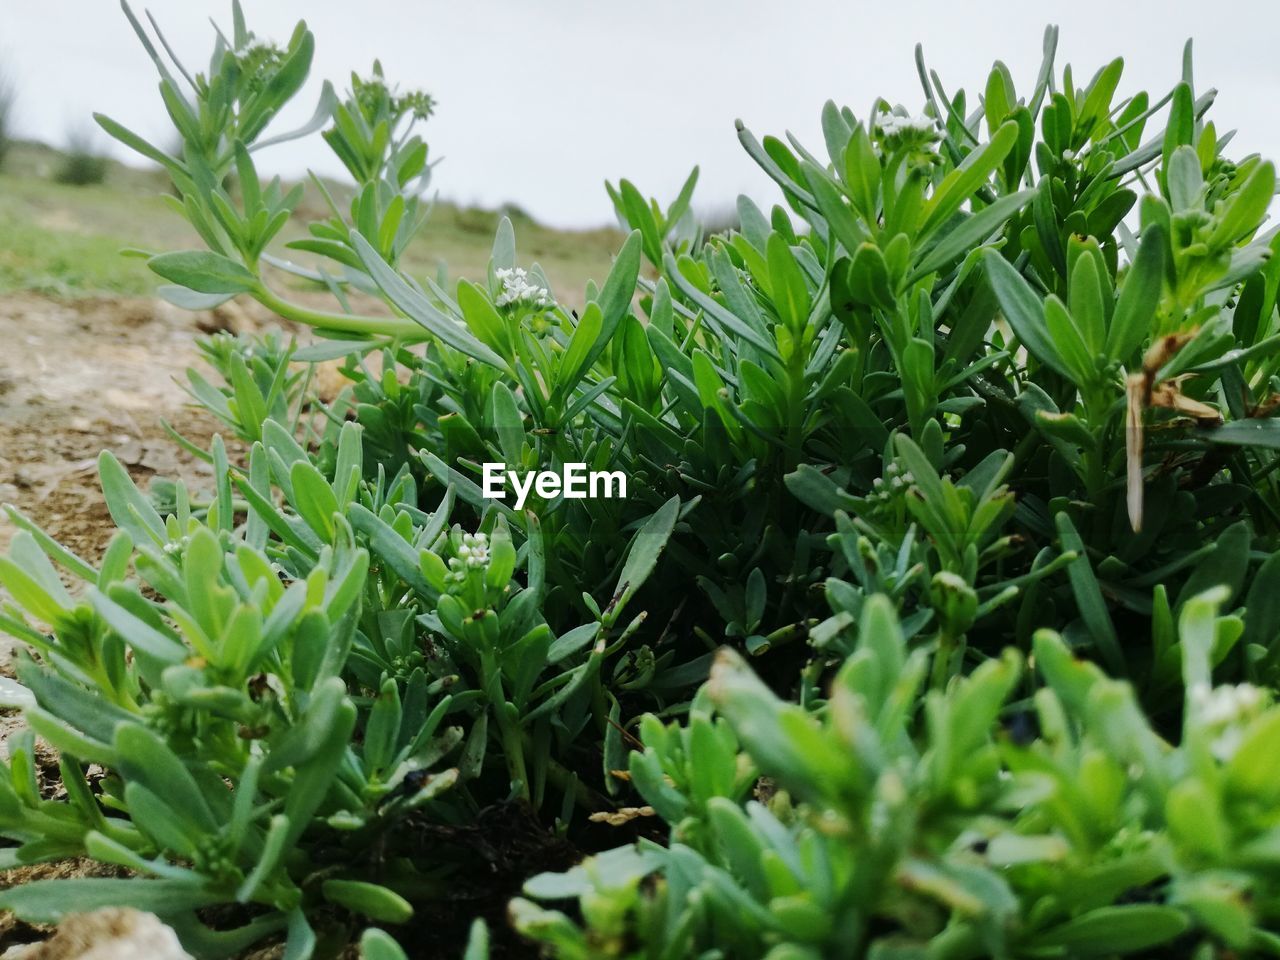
{"x":251,"y":45}
{"x":474,"y":551}
{"x":893,"y":123}
{"x":516,"y":288}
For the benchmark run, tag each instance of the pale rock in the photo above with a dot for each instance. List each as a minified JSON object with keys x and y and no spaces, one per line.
{"x":111,"y":934}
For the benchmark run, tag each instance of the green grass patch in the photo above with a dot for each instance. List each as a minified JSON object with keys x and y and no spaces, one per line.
{"x":65,"y":264}
{"x":65,"y":241}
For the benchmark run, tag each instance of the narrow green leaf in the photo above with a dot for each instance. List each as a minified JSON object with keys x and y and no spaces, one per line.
{"x":368,"y":899}
{"x":1139,"y":296}
{"x":1108,"y":931}
{"x":136,"y":632}
{"x":130,"y":510}
{"x":962,"y":182}
{"x":49,"y":901}
{"x":204,"y":272}
{"x":647,"y":546}
{"x":969,"y":232}
{"x":1024,"y":311}
{"x":419,"y":309}
{"x":1088,"y":595}
{"x":790,"y":293}
{"x":615,"y":297}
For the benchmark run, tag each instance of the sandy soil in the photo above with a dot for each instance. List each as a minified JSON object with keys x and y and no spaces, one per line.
{"x":80,"y":376}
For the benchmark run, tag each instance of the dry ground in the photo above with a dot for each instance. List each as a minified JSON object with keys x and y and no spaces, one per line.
{"x":80,"y":376}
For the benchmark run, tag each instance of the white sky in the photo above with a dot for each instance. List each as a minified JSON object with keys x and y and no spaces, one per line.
{"x":540,"y":101}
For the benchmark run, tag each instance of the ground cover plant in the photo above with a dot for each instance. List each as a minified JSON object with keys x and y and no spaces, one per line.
{"x":940,"y":619}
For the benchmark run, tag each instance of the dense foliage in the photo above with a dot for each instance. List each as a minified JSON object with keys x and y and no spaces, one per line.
{"x":988,"y":396}
{"x":959,"y":836}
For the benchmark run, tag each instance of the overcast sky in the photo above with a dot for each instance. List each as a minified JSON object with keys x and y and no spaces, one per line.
{"x":540,"y":101}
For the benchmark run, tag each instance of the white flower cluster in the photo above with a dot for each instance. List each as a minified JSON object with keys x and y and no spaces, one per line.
{"x":894,"y":478}
{"x":177,"y":547}
{"x":892,"y":124}
{"x":516,"y":288}
{"x":473,"y":554}
{"x":1227,"y":710}
{"x":893,"y":484}
{"x":252,"y":45}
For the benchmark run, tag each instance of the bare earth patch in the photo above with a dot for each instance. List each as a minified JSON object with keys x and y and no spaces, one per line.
{"x":81,"y":376}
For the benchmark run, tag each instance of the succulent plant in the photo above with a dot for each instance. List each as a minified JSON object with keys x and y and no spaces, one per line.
{"x":967,"y":444}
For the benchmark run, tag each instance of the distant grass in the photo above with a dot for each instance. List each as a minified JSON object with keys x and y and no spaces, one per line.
{"x":65,"y":240}
{"x":63,"y":264}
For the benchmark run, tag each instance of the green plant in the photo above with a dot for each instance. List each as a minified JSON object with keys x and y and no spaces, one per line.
{"x":219,"y":716}
{"x":957,"y":824}
{"x":82,"y":164}
{"x":240,"y":763}
{"x":999,"y":314}
{"x":940,"y":398}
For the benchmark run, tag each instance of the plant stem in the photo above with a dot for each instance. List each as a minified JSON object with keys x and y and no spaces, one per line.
{"x":941,"y":672}
{"x":563,"y":778}
{"x":1095,"y":461}
{"x":509,"y":732}
{"x":513,"y":748}
{"x":395,"y":327}
{"x":796,"y":390}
